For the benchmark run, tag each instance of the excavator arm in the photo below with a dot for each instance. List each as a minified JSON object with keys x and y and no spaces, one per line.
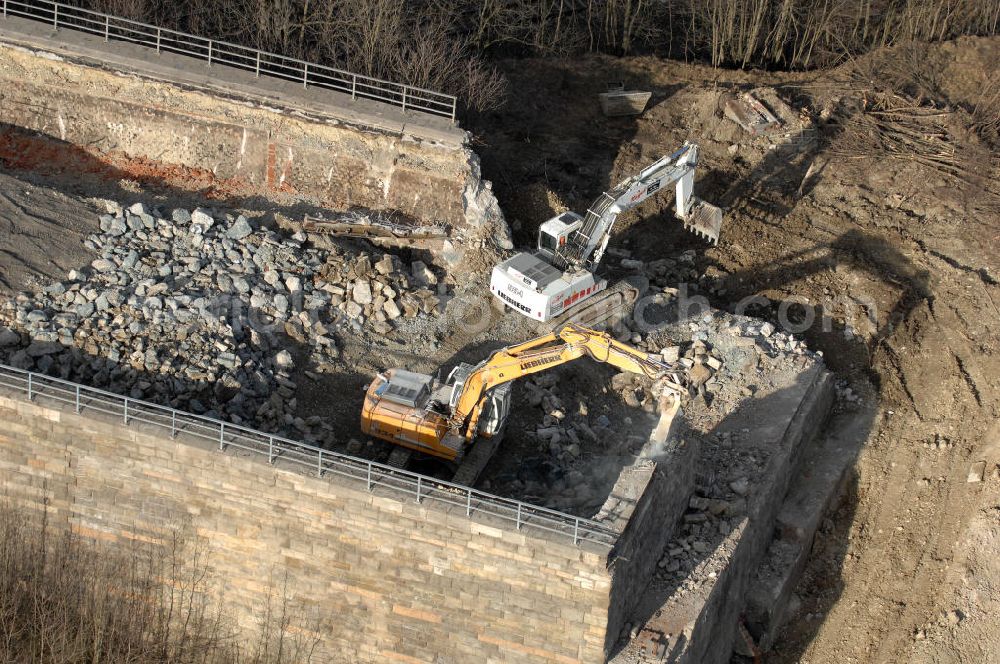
{"x":602,"y":348}
{"x":544,"y":353}
{"x":586,"y":246}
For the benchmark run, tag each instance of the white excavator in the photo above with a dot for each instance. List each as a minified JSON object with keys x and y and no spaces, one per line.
{"x":557,"y":279}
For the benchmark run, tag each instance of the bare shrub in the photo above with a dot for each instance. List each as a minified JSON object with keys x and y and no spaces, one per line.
{"x":803,"y":33}
{"x":64,"y":600}
{"x":137,"y":10}
{"x":442,"y":42}
{"x":898,"y":112}
{"x":986,"y":113}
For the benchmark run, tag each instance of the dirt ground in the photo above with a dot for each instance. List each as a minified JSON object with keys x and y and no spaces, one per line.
{"x":41,"y":233}
{"x":895,"y":263}
{"x":884,"y":263}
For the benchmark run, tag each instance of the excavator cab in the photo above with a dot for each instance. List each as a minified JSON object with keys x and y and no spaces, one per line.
{"x":554,"y":234}
{"x":496,"y":408}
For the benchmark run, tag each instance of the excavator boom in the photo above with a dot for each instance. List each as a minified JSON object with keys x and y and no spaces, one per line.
{"x":586,"y":245}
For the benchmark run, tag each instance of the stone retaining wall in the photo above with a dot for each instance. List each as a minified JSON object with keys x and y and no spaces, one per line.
{"x":374,"y":578}
{"x":252,"y":136}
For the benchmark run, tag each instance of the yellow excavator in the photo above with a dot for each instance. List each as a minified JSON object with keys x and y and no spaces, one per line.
{"x":442,"y":418}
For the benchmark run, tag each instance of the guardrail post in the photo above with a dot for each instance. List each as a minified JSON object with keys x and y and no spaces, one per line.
{"x":270,"y":449}
{"x":576,"y":531}
{"x":354,"y":86}
{"x":222,"y":436}
{"x":454,"y":108}
{"x":107,"y":28}
{"x":78,"y":399}
{"x":404,"y":98}
{"x":468,"y":502}
{"x":125,"y":412}
{"x":518,"y":516}
{"x":418,"y":488}
{"x":5,"y":8}
{"x":369,"y":482}
{"x":256,"y":72}
{"x":209,"y":52}
{"x":30,"y":398}
{"x":173,"y":424}
{"x":305,"y":75}
{"x":319,"y":464}
{"x":55,"y":17}
{"x":158,"y":41}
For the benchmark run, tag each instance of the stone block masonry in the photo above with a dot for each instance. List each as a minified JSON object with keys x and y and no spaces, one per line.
{"x":375,"y":578}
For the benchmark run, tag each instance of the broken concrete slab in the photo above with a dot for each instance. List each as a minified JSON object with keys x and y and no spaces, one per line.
{"x":750,"y":114}
{"x":690,"y":614}
{"x":618,"y":101}
{"x":818,"y":482}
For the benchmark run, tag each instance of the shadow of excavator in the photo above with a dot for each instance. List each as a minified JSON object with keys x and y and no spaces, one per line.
{"x":848,"y":338}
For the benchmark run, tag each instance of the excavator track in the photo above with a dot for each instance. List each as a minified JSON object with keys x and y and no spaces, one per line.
{"x":608,"y":306}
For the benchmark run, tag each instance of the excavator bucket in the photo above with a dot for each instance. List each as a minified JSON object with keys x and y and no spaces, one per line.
{"x":705,"y":220}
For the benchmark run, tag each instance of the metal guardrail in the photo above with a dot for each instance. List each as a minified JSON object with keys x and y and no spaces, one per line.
{"x":309,"y":74}
{"x":83,"y":400}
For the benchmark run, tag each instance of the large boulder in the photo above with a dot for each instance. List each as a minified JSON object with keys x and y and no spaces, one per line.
{"x":362,"y":292}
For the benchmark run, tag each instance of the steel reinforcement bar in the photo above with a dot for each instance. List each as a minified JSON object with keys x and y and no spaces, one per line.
{"x":213,"y":51}
{"x":87,"y":400}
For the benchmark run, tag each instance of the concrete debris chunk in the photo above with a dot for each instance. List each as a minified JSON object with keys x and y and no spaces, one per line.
{"x":240,"y":229}
{"x":9,"y":338}
{"x":632,"y":264}
{"x":977,"y":471}
{"x":671,"y":354}
{"x":362,"y":292}
{"x":40,"y":348}
{"x":202,"y":218}
{"x":699,"y":374}
{"x":740,"y":487}
{"x":353,"y":309}
{"x":422,"y":274}
{"x":385,"y":266}
{"x":391,"y":309}
{"x":283,"y":360}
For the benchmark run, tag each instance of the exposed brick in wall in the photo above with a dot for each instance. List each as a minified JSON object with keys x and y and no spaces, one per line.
{"x":375,"y":578}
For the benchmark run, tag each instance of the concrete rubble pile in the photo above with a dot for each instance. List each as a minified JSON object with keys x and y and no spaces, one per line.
{"x":583,"y":440}
{"x":199,"y":312}
{"x":712,"y":512}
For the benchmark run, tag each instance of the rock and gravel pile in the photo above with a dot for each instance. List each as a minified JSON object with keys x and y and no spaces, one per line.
{"x":577,"y":441}
{"x":207,"y":313}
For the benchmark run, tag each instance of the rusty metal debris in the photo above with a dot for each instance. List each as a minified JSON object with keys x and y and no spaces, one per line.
{"x":369,"y":226}
{"x":748,"y":112}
